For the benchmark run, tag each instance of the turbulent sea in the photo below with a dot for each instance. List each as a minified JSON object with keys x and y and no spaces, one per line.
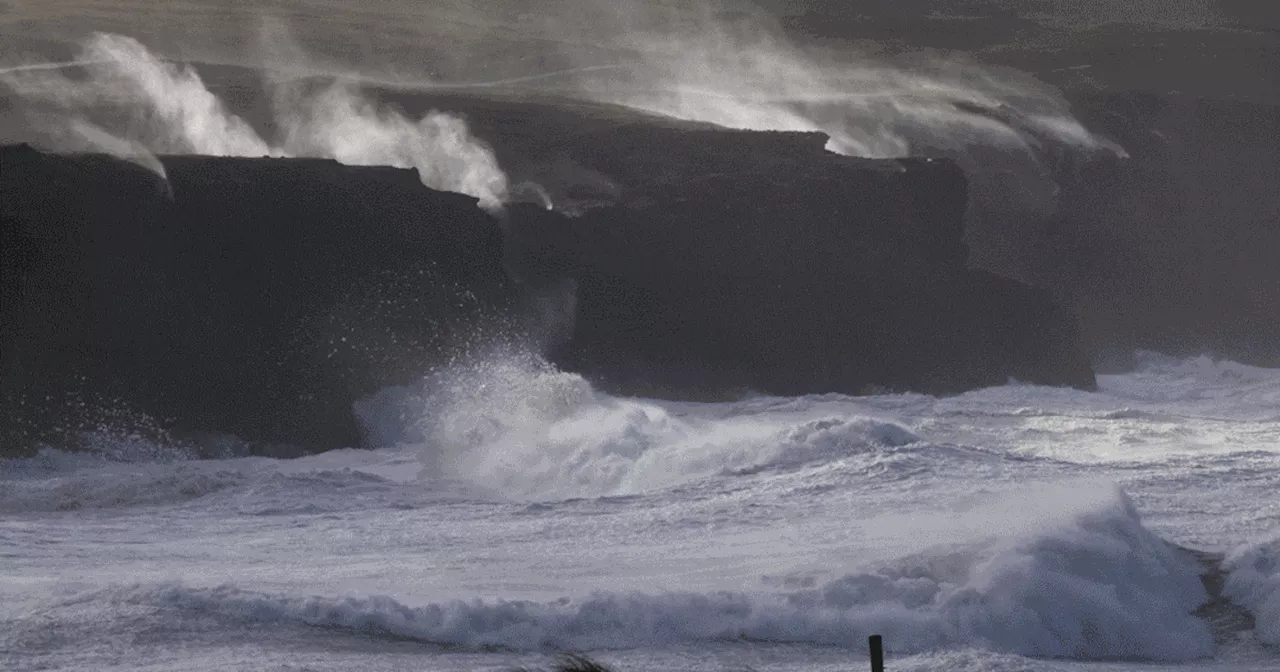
{"x":514,"y":512}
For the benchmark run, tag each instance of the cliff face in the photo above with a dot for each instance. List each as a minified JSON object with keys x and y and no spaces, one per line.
{"x":250,"y":297}
{"x":1169,"y":249}
{"x":788,"y":269}
{"x":77,"y":238}
{"x":261,"y":297}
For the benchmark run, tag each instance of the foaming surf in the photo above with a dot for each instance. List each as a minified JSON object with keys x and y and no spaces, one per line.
{"x":1253,"y":580}
{"x":803,"y":522}
{"x":956,"y":527}
{"x":109,"y":471}
{"x":516,"y":424}
{"x":512,"y":422}
{"x":1090,"y":583}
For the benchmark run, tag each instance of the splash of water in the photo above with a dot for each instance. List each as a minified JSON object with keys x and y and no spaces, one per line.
{"x":745,"y":73}
{"x":338,"y":123}
{"x":95,"y":139}
{"x":149,"y":106}
{"x":173,"y":110}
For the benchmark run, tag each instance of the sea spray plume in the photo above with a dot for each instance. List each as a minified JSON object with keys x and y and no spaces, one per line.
{"x":731,"y":74}
{"x":732,"y":65}
{"x":152,"y":106}
{"x":141,"y":100}
{"x":134,"y":104}
{"x":340,"y":124}
{"x":96,"y":139}
{"x":172,"y":111}
{"x":730,"y":62}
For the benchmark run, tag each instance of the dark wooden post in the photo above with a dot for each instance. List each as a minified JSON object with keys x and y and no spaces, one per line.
{"x":876,"y":644}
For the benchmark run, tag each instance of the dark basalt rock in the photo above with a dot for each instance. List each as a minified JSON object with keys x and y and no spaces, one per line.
{"x":848,"y":276}
{"x":261,"y":297}
{"x":82,"y":245}
{"x":1171,"y":248}
{"x":251,"y":297}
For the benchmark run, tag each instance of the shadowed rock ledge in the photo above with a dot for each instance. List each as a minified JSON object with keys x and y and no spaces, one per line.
{"x":261,"y":297}
{"x":1170,"y":249}
{"x":252,"y":297}
{"x":786,"y":269}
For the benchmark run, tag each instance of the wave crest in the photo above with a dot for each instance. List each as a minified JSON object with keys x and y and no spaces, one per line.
{"x":1097,"y":585}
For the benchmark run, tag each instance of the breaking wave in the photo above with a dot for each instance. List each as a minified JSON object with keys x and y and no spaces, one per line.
{"x":1095,"y":585}
{"x":1253,"y":581}
{"x":525,"y":429}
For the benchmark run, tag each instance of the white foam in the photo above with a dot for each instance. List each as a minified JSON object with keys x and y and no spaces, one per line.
{"x":1093,"y":585}
{"x":522,"y":428}
{"x":1165,"y":379}
{"x":115,"y":473}
{"x":114,"y":486}
{"x":1253,"y":581}
{"x":936,"y":522}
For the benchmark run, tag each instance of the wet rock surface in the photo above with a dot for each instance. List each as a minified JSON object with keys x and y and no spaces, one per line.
{"x":1170,"y":248}
{"x":260,"y":297}
{"x":247,"y":297}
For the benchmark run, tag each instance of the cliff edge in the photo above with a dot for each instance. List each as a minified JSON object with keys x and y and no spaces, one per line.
{"x":260,"y":297}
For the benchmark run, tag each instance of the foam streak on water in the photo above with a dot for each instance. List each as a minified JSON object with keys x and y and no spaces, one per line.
{"x":515,"y":507}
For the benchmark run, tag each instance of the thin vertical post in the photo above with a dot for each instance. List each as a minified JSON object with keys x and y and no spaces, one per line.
{"x":876,"y":644}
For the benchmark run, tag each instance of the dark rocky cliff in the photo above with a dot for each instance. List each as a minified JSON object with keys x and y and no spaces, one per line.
{"x":789,"y":269}
{"x":260,"y":297}
{"x":249,"y":297}
{"x":1171,"y":248}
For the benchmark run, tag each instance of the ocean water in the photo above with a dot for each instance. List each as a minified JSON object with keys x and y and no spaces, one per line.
{"x":515,"y":512}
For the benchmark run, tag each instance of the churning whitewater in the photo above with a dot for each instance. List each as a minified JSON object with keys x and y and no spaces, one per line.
{"x":503,"y":510}
{"x":513,"y":510}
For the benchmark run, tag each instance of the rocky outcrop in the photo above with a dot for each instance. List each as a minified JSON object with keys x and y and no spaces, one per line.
{"x":1170,"y":248}
{"x":261,"y":297}
{"x":246,"y":297}
{"x":788,"y":270}
{"x":709,"y":261}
